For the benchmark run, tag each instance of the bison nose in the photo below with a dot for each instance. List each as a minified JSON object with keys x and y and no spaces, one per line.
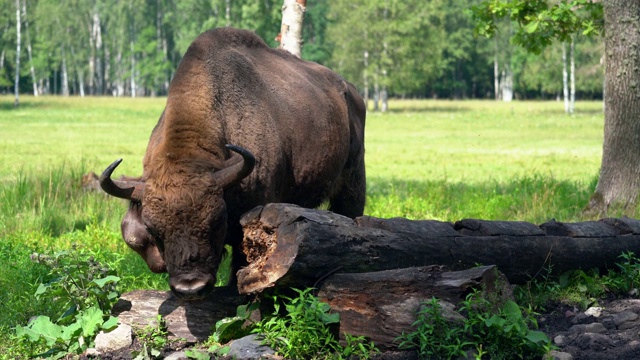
{"x":191,"y":287}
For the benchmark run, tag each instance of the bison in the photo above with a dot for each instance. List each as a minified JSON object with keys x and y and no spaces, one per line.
{"x":244,"y":125}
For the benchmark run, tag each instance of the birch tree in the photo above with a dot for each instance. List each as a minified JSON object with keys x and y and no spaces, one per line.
{"x":291,"y":28}
{"x":17,"y":70}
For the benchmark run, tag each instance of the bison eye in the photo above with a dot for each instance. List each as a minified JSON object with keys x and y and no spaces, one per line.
{"x":156,"y":237}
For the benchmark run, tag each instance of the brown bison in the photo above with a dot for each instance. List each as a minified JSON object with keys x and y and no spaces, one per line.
{"x":244,"y":125}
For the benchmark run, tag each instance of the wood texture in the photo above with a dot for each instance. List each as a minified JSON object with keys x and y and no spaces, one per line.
{"x":381,"y":305}
{"x":294,"y":247}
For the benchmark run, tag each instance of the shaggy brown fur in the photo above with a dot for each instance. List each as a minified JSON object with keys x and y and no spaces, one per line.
{"x":303,"y":123}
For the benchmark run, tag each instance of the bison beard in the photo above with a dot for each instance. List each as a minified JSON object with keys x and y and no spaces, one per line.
{"x":303,"y":122}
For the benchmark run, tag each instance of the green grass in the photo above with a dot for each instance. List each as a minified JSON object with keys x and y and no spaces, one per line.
{"x":427,"y":159}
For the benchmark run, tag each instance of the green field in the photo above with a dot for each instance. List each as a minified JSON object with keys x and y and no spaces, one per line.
{"x":426,"y":159}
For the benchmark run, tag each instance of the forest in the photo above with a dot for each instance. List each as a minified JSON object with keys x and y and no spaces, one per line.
{"x":394,"y":48}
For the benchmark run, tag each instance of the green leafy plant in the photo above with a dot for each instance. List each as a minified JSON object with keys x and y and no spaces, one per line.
{"x":84,"y":290}
{"x":435,"y":337}
{"x":505,"y":334}
{"x":153,"y":338}
{"x":305,"y":331}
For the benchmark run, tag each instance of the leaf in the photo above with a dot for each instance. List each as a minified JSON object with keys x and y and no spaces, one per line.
{"x":90,"y":319}
{"x":532,"y":27}
{"x":537,"y":336}
{"x":106,"y":280}
{"x":110,"y":324}
{"x":42,"y":326}
{"x":197,"y":354}
{"x":42,"y":288}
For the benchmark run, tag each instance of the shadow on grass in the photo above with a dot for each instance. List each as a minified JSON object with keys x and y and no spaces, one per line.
{"x":425,"y":108}
{"x":24,"y":104}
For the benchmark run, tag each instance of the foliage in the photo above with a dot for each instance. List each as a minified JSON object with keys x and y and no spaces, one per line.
{"x":582,"y":288}
{"x":539,"y":22}
{"x":305,"y":330}
{"x":84,"y":290}
{"x":414,"y":48}
{"x":502,"y":335}
{"x":153,"y":339}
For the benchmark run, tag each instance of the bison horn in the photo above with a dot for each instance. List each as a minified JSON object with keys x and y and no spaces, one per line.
{"x":125,"y":189}
{"x":233,"y":174}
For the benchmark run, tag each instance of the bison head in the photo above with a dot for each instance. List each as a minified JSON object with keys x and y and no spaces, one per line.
{"x":178,"y":222}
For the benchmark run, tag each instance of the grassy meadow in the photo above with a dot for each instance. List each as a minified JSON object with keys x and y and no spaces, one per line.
{"x":426,"y":159}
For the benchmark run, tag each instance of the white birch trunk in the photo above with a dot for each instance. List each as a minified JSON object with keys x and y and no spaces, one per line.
{"x":65,"y":74}
{"x":365,"y":76}
{"x":291,"y":28}
{"x":507,"y":85}
{"x":565,"y":82}
{"x":227,"y":14}
{"x":97,"y":33}
{"x":133,"y":72}
{"x":572,"y":97}
{"x":26,"y":30}
{"x":17,"y":78}
{"x":496,"y":70}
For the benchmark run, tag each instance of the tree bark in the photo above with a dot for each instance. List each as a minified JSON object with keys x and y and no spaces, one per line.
{"x":382,"y":305}
{"x":28,"y":38}
{"x":619,"y":181}
{"x":572,"y":95}
{"x":290,"y":246}
{"x":565,"y":78}
{"x":65,"y":73}
{"x":17,"y":78}
{"x":291,"y":28}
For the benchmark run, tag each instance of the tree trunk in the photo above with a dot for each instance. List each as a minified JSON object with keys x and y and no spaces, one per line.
{"x":17,"y":78}
{"x":133,"y":71}
{"x":565,"y":78}
{"x":496,"y":70}
{"x":572,"y":96}
{"x":291,"y":28}
{"x":382,"y":305}
{"x":506,"y":85}
{"x":365,"y":76}
{"x":65,"y":74}
{"x":290,"y":246}
{"x":619,"y":181}
{"x":31,"y":68}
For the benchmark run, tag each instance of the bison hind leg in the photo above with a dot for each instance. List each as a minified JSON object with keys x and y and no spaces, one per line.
{"x":349,"y":198}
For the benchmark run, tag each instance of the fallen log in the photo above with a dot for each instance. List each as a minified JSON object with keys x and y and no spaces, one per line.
{"x":382,"y":305}
{"x":294,"y":247}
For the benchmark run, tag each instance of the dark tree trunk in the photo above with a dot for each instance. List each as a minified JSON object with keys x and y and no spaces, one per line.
{"x":289,"y":246}
{"x":382,"y":305}
{"x":619,"y":182}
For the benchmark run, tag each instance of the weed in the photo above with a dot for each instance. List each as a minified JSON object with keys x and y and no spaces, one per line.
{"x":435,"y":337}
{"x":82,"y":291}
{"x":153,"y":339}
{"x":305,"y":331}
{"x":501,"y":335}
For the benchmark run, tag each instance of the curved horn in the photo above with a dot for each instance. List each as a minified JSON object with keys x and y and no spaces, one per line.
{"x":130,"y":190}
{"x":235,"y":173}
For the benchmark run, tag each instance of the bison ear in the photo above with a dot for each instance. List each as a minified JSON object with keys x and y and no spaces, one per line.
{"x":237,"y":170}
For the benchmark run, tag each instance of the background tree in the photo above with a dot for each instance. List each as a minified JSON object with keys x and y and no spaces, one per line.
{"x":399,"y":48}
{"x":539,"y":24}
